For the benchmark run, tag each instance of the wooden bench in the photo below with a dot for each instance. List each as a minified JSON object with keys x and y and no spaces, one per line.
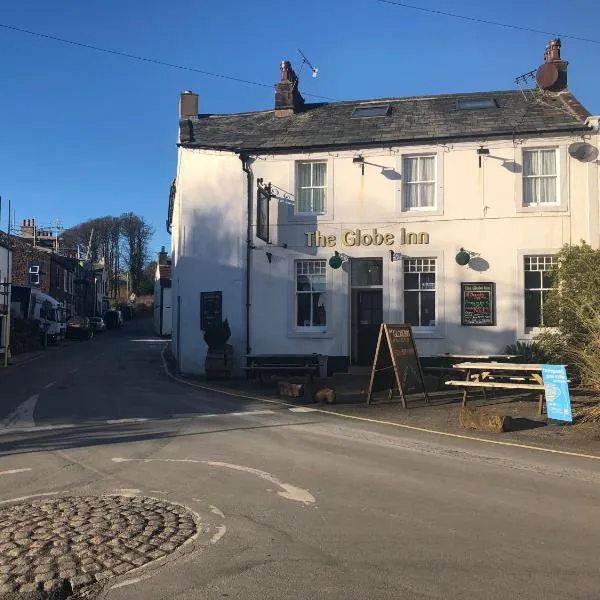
{"x":538,"y":387}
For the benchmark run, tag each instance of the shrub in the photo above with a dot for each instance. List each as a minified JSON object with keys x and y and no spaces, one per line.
{"x":216,"y":336}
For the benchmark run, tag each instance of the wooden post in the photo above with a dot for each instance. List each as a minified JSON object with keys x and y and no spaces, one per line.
{"x":369,"y":393}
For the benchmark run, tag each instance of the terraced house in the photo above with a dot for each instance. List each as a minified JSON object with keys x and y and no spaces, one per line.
{"x":313,"y":223}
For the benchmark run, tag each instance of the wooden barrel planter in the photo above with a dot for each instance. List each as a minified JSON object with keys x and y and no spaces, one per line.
{"x":219,"y":362}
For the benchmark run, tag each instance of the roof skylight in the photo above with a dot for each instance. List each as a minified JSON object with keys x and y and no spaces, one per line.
{"x":466,"y":103}
{"x":373,"y":110}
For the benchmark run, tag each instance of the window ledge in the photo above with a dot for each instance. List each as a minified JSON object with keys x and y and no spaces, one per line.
{"x":310,"y":334}
{"x":419,"y":213}
{"x":541,"y":208}
{"x":425,"y":334}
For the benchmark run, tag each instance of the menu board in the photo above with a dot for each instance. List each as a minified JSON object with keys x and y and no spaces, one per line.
{"x":478,"y":304}
{"x":211,"y":309}
{"x":396,"y":365}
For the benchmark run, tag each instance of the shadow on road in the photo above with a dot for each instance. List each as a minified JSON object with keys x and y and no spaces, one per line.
{"x":103,"y":435}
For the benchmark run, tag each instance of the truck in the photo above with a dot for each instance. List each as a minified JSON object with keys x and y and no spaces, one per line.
{"x":30,"y":303}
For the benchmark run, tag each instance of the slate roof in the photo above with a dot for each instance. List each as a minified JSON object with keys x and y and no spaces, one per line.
{"x":411,"y":120}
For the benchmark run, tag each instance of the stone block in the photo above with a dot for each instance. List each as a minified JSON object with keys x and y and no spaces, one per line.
{"x":325,"y":395}
{"x":476,"y":418}
{"x":293,"y":390}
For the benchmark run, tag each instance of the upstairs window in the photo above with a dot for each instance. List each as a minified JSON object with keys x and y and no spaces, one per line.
{"x":311,"y":188}
{"x":419,"y":182}
{"x":539,"y":177}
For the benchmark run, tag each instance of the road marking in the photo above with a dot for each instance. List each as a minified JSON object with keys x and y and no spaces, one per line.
{"x":132,"y":420}
{"x":213,"y":509}
{"x":36,"y":428}
{"x":21,"y":498}
{"x":290,"y":492}
{"x":221,"y":531}
{"x":247,"y":413}
{"x":22,"y":416}
{"x":74,"y":370}
{"x":376,"y":421}
{"x":302,"y":409}
{"x":148,"y":340}
{"x":49,"y":385}
{"x":12,"y":471}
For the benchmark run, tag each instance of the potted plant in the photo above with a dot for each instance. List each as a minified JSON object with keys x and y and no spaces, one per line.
{"x":219,"y":358}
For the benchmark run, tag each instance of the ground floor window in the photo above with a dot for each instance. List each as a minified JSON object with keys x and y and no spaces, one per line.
{"x":537,"y":285}
{"x":419,"y":291}
{"x":311,"y":288}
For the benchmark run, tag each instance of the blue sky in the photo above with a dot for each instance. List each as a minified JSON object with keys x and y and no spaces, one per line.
{"x":84,"y":134}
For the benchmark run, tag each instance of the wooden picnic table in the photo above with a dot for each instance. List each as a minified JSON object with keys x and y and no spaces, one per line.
{"x":445,"y":364}
{"x":495,"y":375}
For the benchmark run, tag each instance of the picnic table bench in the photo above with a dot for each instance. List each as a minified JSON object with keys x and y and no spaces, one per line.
{"x":306,"y":365}
{"x":496,"y":375}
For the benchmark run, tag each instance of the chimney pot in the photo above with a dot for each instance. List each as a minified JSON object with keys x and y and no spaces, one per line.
{"x":552,"y":74}
{"x":188,"y":104}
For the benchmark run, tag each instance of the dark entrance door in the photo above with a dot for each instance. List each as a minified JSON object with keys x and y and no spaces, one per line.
{"x":368,"y":317}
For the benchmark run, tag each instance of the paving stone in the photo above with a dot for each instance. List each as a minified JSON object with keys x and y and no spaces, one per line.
{"x":85,"y":539}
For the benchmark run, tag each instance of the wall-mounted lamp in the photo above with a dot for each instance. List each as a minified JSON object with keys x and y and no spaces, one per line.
{"x":360,"y":161}
{"x":269,"y":256}
{"x":481,"y":151}
{"x":464,"y":256}
{"x":335,"y":262}
{"x":394,"y":256}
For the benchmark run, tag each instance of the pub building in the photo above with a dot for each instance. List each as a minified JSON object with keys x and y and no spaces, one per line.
{"x":314,"y":223}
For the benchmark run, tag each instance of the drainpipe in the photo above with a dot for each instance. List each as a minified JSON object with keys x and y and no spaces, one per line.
{"x":245,"y":166}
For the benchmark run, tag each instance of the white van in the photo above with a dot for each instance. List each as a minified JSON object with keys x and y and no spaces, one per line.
{"x":49,"y":312}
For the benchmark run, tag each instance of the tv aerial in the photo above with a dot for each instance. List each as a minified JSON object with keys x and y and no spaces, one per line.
{"x":305,"y":60}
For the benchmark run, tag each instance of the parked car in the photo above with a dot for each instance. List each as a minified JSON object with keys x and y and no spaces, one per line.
{"x":79,"y":328}
{"x":97,"y":324}
{"x":114,"y":319}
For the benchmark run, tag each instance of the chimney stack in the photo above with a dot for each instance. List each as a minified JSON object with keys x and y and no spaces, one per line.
{"x":552,"y":75}
{"x":162,"y":256}
{"x":288,"y":99}
{"x":188,"y":105}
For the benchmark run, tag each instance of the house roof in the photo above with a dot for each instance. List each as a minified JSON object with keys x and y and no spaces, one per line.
{"x":410,"y":120}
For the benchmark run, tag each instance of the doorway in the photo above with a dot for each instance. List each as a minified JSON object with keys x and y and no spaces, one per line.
{"x":366,"y":308}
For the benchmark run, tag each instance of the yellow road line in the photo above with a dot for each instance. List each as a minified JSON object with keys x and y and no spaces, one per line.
{"x":369,"y":420}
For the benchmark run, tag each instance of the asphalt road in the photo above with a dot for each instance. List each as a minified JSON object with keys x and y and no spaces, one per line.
{"x":295,"y":504}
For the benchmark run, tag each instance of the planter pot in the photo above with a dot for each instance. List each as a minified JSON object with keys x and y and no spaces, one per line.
{"x":219,"y":362}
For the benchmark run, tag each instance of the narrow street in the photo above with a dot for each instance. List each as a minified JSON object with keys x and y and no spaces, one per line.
{"x":265,"y":502}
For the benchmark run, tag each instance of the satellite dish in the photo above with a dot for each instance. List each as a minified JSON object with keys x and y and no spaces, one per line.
{"x":583,"y":151}
{"x":546,"y":76}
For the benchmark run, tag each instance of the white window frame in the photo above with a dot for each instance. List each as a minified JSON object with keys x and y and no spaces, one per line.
{"x":424,"y":329}
{"x":553,"y":261}
{"x":527,"y":333}
{"x":326,"y":187}
{"x":302,"y":217}
{"x":34,"y":270}
{"x":419,"y":212}
{"x":310,"y":328}
{"x":562,"y":179}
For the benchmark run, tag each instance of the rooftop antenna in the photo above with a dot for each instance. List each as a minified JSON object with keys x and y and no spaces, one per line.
{"x":305,"y":60}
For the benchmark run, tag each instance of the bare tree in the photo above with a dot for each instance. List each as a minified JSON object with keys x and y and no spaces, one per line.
{"x":136,"y":239}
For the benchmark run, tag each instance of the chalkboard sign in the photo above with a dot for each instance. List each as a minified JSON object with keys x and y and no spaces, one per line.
{"x":211,"y":309}
{"x":478,"y":304}
{"x":396,"y":365}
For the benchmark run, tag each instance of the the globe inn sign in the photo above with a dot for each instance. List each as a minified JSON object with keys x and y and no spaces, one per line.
{"x":359,"y":237}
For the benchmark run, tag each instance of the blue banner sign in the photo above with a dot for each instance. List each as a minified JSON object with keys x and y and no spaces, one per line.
{"x":556,"y":388}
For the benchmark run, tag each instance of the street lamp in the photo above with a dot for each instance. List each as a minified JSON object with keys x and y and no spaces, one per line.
{"x":95,"y":294}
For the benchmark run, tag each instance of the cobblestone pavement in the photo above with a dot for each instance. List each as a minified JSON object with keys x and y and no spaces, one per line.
{"x":85,"y":540}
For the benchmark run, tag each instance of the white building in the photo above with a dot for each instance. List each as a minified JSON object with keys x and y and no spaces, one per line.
{"x":162,"y":295}
{"x":395,"y":186}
